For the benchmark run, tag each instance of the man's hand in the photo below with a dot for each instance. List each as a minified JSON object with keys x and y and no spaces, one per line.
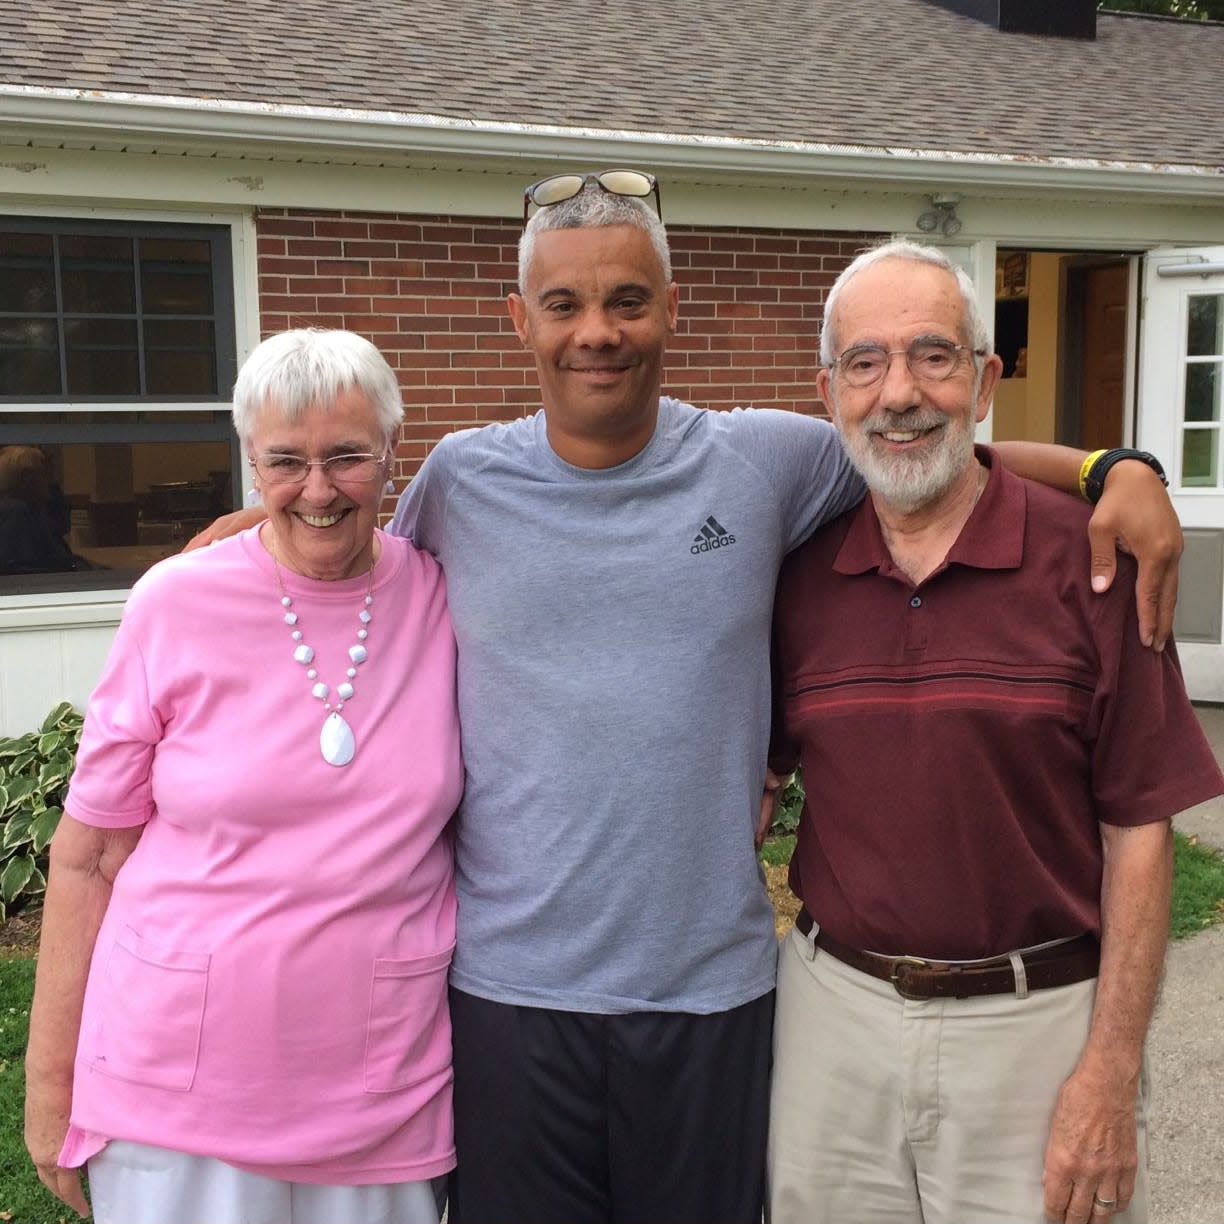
{"x":1091,"y":1155}
{"x":769,"y":807}
{"x":1135,"y":514}
{"x":46,"y":1124}
{"x":228,"y":525}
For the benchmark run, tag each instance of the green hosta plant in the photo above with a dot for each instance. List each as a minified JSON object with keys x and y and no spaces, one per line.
{"x":34,"y":773}
{"x":790,"y":804}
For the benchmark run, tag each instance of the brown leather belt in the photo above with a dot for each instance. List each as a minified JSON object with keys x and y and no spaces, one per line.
{"x":914,"y":977}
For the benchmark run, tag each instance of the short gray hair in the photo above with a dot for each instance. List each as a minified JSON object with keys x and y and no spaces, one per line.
{"x":310,"y":367}
{"x":593,"y":207}
{"x":914,"y":252}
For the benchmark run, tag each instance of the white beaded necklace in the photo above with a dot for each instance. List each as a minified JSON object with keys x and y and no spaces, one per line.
{"x":336,"y":740}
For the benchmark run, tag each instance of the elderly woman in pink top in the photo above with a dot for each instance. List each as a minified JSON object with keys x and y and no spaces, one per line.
{"x":240,"y":1012}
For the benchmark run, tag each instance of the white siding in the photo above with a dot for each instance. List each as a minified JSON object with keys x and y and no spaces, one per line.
{"x":51,"y":653}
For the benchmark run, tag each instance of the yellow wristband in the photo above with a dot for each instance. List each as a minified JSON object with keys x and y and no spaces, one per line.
{"x":1085,"y":468}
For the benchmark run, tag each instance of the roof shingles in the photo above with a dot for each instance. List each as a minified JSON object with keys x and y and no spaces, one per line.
{"x":892,"y":73}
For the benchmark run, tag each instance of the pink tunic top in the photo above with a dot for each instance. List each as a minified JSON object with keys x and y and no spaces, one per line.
{"x":269,"y":983}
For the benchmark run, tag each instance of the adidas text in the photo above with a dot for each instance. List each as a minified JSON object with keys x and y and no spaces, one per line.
{"x":708,"y":545}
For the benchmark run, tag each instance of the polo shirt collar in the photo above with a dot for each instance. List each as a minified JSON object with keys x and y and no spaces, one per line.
{"x":993,"y":537}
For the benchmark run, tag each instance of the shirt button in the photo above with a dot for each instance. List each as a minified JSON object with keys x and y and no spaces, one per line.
{"x":916,"y":601}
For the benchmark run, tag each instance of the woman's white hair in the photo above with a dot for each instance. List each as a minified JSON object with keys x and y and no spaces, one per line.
{"x":593,"y":207}
{"x":915,"y":252}
{"x":310,"y":368}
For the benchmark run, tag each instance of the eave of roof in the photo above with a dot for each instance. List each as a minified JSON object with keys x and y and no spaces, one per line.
{"x":275,"y":131}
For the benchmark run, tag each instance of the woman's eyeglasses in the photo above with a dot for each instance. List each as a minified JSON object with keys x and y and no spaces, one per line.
{"x":339,"y":469}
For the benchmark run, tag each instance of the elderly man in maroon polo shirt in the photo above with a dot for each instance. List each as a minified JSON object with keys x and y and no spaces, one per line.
{"x":992,"y":760}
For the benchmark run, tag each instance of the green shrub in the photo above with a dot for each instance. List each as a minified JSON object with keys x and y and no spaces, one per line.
{"x":34,"y":773}
{"x":790,"y":804}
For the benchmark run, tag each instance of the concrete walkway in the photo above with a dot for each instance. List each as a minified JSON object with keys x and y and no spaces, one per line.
{"x":1186,"y":1050}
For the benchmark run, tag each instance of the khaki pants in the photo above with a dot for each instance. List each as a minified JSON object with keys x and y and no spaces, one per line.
{"x":886,"y":1110}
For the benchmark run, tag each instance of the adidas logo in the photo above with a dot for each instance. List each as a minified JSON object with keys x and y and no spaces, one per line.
{"x":712,"y":535}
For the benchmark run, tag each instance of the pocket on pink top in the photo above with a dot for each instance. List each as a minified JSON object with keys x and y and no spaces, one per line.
{"x":151,"y":1013}
{"x":408,"y":1037}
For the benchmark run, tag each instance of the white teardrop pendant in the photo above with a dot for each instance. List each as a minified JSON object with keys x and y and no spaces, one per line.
{"x":336,"y":741}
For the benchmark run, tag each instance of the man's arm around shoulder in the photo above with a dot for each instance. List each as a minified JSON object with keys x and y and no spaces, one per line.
{"x":1134,"y":514}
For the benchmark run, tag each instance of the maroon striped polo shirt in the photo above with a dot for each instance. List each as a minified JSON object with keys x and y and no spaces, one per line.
{"x":961,"y":740}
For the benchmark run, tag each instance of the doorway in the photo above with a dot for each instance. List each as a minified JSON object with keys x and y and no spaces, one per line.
{"x":1064,"y":324}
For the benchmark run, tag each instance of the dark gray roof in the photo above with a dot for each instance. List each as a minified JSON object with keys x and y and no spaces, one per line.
{"x":872,"y":73}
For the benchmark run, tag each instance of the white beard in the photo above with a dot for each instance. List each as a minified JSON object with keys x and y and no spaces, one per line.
{"x":909,"y":480}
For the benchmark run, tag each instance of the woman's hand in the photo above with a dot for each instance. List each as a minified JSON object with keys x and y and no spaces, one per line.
{"x":46,"y":1124}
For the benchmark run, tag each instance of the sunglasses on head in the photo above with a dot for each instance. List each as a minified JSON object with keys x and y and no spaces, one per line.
{"x":561,"y":187}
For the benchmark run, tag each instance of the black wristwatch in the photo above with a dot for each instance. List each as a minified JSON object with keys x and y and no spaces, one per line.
{"x":1094,"y":481}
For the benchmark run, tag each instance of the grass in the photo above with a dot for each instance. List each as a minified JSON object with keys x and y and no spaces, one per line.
{"x":777,"y":851}
{"x":22,"y":1197}
{"x":1198,"y":901}
{"x":1198,"y":886}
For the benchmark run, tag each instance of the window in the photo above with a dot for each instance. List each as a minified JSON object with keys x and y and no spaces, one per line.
{"x":117,"y":355}
{"x":1204,"y":391}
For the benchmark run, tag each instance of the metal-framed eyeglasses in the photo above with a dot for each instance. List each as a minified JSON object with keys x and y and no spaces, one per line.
{"x":560,"y":187}
{"x":929,"y":360}
{"x":339,"y":469}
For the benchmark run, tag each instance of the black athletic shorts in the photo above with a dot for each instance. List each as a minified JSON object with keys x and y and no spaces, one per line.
{"x":644,"y":1118}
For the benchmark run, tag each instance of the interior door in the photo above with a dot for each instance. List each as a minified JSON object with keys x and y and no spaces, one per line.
{"x":1181,"y":419}
{"x":1103,"y":390}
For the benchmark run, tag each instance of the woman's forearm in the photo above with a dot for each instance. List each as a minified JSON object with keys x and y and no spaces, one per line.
{"x":84,"y":862}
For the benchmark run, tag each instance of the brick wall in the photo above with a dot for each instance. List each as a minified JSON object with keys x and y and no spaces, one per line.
{"x":430,"y":292}
{"x":751,"y":302}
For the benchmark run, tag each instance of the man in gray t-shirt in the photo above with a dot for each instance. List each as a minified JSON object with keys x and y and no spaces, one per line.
{"x":610,"y":568}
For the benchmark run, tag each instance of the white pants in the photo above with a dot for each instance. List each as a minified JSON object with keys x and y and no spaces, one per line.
{"x":886,"y":1110}
{"x":133,"y":1183}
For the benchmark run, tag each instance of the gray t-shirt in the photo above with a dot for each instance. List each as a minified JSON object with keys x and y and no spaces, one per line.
{"x":614,"y":694}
